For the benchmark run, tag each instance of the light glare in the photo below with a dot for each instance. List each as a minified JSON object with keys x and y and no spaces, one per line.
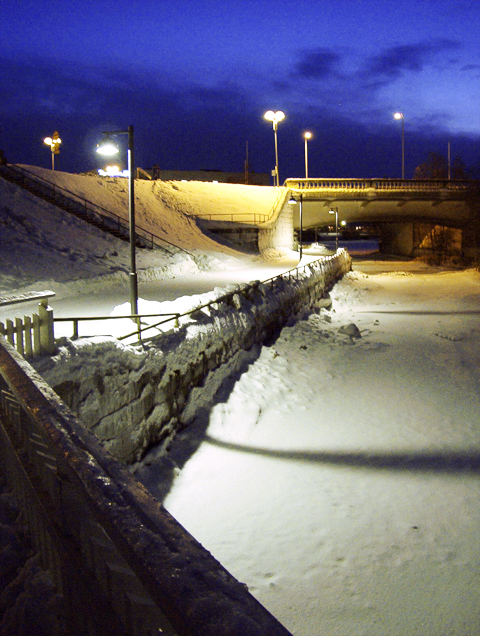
{"x":107,"y":148}
{"x":279,"y":115}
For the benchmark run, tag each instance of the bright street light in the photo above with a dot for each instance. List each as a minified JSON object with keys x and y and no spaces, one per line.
{"x":335,"y":211}
{"x":307,"y":136}
{"x":54,"y":143}
{"x":275,"y":118}
{"x":400,"y":116}
{"x":108,"y":148}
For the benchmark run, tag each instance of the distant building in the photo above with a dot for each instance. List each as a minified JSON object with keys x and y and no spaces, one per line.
{"x":249,"y":178}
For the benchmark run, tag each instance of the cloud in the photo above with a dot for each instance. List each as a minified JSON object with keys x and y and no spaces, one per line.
{"x":396,"y":61}
{"x":470,"y":67}
{"x":189,"y":119}
{"x":319,"y":63}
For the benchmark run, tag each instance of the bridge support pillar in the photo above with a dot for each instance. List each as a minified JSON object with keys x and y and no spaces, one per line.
{"x":397,"y":238}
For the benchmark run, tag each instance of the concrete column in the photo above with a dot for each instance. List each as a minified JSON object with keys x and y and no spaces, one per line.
{"x":397,"y":238}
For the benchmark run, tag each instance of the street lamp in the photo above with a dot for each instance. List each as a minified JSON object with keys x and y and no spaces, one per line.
{"x":335,"y":211}
{"x":293,"y":201}
{"x":275,"y":118}
{"x":401,"y":116}
{"x":54,"y":143}
{"x":108,"y":148}
{"x":307,"y":136}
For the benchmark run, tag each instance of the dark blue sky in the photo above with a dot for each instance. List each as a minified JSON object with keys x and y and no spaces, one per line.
{"x":195,"y":76}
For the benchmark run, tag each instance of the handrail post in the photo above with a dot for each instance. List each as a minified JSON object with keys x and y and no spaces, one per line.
{"x":47,"y":337}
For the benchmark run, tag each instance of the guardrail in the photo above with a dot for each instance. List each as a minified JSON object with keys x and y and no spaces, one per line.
{"x":238,"y":217}
{"x":65,"y":197}
{"x":411,"y":185}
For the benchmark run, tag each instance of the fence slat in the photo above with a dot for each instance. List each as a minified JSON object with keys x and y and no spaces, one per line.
{"x":10,"y":331}
{"x":27,"y":322}
{"x":19,"y":336}
{"x":37,"y":347}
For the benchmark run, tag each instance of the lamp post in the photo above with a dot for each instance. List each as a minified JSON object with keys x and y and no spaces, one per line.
{"x":293,"y":201}
{"x":108,"y":148}
{"x":335,"y":211}
{"x":401,"y":116}
{"x":54,"y":143}
{"x":307,"y":136}
{"x":275,"y":118}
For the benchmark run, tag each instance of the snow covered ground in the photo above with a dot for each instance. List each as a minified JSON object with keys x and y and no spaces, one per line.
{"x":338,"y":478}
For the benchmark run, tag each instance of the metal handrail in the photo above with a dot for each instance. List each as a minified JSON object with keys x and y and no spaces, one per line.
{"x":95,"y":208}
{"x":134,"y":317}
{"x":233,"y":216}
{"x":283,"y":193}
{"x":229,"y":295}
{"x":176,"y":316}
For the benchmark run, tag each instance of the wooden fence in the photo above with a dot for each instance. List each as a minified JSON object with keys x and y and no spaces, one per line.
{"x":31,"y":336}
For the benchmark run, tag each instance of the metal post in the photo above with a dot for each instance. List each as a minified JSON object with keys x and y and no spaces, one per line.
{"x":336,"y":230}
{"x":301,"y":225}
{"x":449,"y":175}
{"x":276,"y":152}
{"x":403,"y":147}
{"x":131,"y":219}
{"x":306,"y":157}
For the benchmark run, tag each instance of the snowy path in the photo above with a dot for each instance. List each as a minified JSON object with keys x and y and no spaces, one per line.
{"x":339,"y":479}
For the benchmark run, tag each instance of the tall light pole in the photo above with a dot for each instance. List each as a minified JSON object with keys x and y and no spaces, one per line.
{"x":54,"y":143}
{"x":108,"y":148}
{"x":275,"y":118}
{"x":335,"y":211}
{"x":401,"y":116}
{"x":293,"y":201}
{"x":307,"y":136}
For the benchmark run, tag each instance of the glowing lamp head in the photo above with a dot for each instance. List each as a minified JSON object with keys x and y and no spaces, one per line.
{"x":107,"y":148}
{"x":274,"y":117}
{"x":398,"y":115}
{"x":307,"y":135}
{"x":53,"y":141}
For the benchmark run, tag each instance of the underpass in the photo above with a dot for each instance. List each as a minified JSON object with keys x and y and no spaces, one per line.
{"x":405,"y":211}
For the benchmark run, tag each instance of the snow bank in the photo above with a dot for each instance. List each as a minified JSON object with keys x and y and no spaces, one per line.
{"x":132,"y":397}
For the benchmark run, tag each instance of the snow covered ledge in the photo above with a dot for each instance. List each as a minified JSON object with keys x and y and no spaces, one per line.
{"x":135,"y":397}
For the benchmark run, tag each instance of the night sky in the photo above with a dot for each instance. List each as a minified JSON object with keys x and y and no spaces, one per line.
{"x":195,"y":77}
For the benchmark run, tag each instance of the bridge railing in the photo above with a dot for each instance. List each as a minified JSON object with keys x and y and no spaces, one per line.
{"x":411,"y":185}
{"x":121,"y":562}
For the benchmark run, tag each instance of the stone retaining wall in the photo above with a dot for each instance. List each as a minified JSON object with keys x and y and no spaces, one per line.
{"x":133,"y":398}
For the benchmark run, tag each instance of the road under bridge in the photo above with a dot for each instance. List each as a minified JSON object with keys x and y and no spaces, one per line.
{"x":404,"y":211}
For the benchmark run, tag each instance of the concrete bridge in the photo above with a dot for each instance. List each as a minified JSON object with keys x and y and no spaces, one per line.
{"x":405,"y":210}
